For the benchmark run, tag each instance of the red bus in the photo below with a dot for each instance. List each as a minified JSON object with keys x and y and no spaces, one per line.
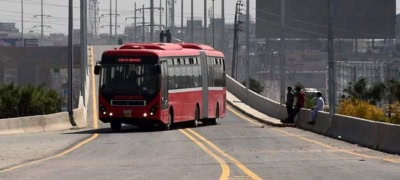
{"x":142,"y":84}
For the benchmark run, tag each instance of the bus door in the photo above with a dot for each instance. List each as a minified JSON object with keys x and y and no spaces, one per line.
{"x":164,"y":85}
{"x":204,"y":74}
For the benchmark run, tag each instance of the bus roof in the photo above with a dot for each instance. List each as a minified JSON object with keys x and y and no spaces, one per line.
{"x":163,"y":50}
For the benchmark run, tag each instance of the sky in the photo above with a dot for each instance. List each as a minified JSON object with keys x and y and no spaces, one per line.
{"x":10,"y":11}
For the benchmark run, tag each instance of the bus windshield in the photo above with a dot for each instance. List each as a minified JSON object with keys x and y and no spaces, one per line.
{"x":133,"y":79}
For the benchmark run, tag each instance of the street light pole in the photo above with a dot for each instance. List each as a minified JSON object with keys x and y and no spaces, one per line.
{"x":283,"y":52}
{"x":247,"y":48}
{"x":205,"y":22}
{"x":143,"y":24}
{"x":213,"y":23}
{"x":331,"y":63}
{"x":134,"y":26}
{"x":41,"y":26}
{"x":151,"y":20}
{"x":110,"y":21}
{"x":182,"y":37}
{"x":223,"y":25}
{"x":22,"y":24}
{"x":116,"y":19}
{"x":191,"y":24}
{"x":83,"y":47}
{"x":70,"y":59}
{"x":166,"y":14}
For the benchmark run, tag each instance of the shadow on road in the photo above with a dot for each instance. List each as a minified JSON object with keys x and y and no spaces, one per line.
{"x":133,"y":129}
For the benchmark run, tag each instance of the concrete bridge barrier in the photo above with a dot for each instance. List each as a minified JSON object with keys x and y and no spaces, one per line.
{"x":375,"y":135}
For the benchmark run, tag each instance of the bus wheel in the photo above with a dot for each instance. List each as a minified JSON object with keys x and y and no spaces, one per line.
{"x":169,"y":124}
{"x":116,"y":126}
{"x":214,"y":121}
{"x":195,"y":122}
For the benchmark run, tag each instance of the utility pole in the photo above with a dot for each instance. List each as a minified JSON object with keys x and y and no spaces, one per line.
{"x":143,"y":24}
{"x":116,"y":19}
{"x":331,"y":64}
{"x":213,"y":23}
{"x":283,"y":52}
{"x":223,"y":25}
{"x":22,"y":24}
{"x":151,"y":20}
{"x":70,"y":59}
{"x":182,"y":36}
{"x":247,"y":48}
{"x":83,"y":47}
{"x":205,"y":22}
{"x":192,"y":23}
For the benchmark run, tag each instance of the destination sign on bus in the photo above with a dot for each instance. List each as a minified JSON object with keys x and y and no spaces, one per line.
{"x":129,"y":60}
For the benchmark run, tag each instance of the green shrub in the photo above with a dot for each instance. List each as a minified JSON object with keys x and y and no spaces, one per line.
{"x":28,"y":101}
{"x":255,"y":86}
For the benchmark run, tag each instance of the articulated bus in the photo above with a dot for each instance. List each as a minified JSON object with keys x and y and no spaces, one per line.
{"x":163,"y":84}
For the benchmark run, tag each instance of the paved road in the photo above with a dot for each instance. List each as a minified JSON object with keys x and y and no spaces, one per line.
{"x":238,"y":148}
{"x":268,"y":153}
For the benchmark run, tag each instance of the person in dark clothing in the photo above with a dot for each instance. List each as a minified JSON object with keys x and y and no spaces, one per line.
{"x":162,"y":36}
{"x":169,"y":36}
{"x":289,"y":100}
{"x":299,"y":104}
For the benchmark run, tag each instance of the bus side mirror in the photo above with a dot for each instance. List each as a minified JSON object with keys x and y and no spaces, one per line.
{"x":97,"y":68}
{"x":158,"y":69}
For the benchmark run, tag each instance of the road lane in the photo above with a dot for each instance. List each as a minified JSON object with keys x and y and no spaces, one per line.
{"x":275,"y":155}
{"x":135,"y":154}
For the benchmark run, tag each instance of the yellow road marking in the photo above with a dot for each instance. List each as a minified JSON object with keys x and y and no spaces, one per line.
{"x":224,"y":166}
{"x":335,"y":148}
{"x":94,"y":136}
{"x":94,"y":101}
{"x":236,"y":162}
{"x":317,"y":142}
{"x":245,"y":118}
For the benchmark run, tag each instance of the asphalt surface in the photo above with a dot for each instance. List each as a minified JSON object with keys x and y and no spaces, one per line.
{"x":267,"y":152}
{"x":236,"y":149}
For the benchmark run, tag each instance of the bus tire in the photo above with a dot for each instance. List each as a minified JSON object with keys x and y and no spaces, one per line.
{"x":214,"y":121}
{"x":116,"y":126}
{"x":168,"y":126}
{"x":195,"y":122}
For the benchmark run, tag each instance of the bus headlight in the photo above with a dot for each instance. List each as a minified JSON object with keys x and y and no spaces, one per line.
{"x":145,"y":115}
{"x":103,"y":109}
{"x":153,"y":110}
{"x":111,"y":114}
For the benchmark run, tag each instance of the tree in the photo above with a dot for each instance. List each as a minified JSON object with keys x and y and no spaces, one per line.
{"x":358,"y":90}
{"x":376,"y":93}
{"x":255,"y":86}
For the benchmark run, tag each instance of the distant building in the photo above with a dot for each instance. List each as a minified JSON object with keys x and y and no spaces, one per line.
{"x":8,"y":27}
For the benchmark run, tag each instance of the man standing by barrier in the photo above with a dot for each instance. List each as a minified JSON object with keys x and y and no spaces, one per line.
{"x":315,"y":109}
{"x":299,"y":104}
{"x":162,"y":36}
{"x":289,"y":100}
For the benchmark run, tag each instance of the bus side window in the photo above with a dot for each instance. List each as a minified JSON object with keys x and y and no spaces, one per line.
{"x":171,"y":77}
{"x":178,"y":77}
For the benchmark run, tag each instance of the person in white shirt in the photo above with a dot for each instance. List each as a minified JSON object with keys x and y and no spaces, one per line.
{"x":315,"y":109}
